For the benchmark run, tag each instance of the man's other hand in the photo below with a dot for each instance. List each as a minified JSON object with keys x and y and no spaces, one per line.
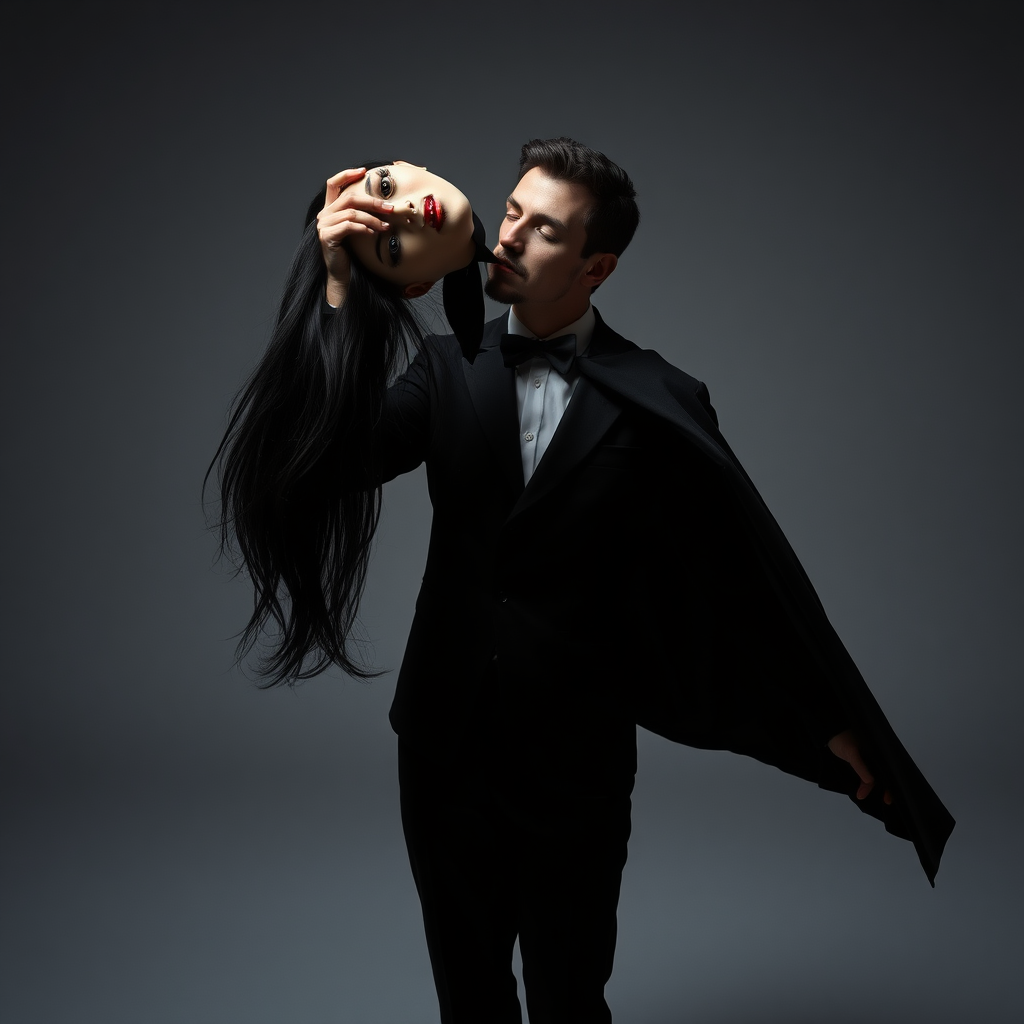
{"x":845,"y":746}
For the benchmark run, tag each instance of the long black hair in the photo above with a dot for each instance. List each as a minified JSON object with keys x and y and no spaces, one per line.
{"x":299,"y":469}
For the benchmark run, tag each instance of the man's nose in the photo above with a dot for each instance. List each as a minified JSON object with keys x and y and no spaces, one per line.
{"x":509,"y":237}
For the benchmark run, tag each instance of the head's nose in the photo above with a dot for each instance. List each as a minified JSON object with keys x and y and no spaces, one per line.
{"x":405,"y":212}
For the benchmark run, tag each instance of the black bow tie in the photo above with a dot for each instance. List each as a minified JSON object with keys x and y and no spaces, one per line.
{"x":559,"y":352}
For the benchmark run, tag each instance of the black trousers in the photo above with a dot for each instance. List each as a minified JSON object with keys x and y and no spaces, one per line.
{"x":500,"y":848}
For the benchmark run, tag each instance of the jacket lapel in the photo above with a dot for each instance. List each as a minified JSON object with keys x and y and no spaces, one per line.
{"x":589,"y":415}
{"x":643,"y":379}
{"x":492,"y":389}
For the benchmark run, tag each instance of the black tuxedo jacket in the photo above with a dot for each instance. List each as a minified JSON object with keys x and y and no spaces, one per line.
{"x":638,"y":578}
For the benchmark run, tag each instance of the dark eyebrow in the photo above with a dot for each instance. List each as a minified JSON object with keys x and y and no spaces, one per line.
{"x":542,"y":217}
{"x":366,"y":184}
{"x":376,"y":247}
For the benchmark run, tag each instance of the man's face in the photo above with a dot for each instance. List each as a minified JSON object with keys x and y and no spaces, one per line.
{"x":540,"y":240}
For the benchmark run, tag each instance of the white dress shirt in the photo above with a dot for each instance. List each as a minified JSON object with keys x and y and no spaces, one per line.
{"x":542,"y":393}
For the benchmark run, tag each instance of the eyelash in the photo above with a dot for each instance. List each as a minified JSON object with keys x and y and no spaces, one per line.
{"x":384,"y":177}
{"x":512,"y":215}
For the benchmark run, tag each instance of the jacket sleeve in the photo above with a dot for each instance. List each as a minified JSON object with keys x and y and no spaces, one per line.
{"x":406,"y":416}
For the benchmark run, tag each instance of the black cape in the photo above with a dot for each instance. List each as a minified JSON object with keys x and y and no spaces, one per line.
{"x":643,"y":379}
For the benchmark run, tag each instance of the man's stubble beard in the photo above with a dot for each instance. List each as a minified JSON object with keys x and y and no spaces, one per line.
{"x":507,"y":293}
{"x":502,"y":291}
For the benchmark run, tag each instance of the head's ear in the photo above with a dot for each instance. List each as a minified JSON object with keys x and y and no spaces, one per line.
{"x":599,"y":267}
{"x":414,"y":291}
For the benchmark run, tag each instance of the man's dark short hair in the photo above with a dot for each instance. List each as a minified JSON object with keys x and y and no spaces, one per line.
{"x":614,"y":215}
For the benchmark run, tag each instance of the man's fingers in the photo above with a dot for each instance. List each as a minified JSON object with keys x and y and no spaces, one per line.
{"x":867,"y":780}
{"x":339,"y":193}
{"x":355,"y":200}
{"x":845,"y":746}
{"x":339,"y":181}
{"x":348,"y":213}
{"x":858,"y":765}
{"x":865,"y":788}
{"x":342,"y":222}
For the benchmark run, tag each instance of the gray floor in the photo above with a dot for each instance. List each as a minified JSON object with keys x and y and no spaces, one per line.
{"x":222,"y":893}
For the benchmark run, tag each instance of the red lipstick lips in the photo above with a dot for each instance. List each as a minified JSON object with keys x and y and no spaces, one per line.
{"x":433,"y":213}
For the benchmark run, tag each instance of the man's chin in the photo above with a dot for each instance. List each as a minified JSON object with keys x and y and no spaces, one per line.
{"x":501,"y":291}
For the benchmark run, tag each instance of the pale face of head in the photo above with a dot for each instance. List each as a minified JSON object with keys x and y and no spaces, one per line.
{"x":541,"y":239}
{"x":431,"y":227}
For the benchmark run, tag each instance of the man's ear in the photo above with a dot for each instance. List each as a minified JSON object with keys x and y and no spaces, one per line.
{"x":414,"y":291}
{"x":599,"y":268}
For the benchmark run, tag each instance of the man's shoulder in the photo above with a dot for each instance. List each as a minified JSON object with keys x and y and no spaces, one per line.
{"x":644,"y":378}
{"x":626,"y":357}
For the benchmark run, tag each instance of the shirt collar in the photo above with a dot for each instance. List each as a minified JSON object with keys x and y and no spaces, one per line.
{"x":583,"y":328}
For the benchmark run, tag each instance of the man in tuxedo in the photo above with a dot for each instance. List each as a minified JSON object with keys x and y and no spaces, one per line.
{"x":597,"y":559}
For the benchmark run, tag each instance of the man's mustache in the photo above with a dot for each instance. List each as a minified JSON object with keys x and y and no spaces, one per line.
{"x":511,"y":261}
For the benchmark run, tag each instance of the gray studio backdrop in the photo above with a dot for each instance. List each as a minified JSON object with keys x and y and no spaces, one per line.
{"x":830,"y":238}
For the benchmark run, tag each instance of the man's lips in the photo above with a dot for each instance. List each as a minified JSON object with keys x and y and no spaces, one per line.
{"x":506,"y":264}
{"x":433,"y":213}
